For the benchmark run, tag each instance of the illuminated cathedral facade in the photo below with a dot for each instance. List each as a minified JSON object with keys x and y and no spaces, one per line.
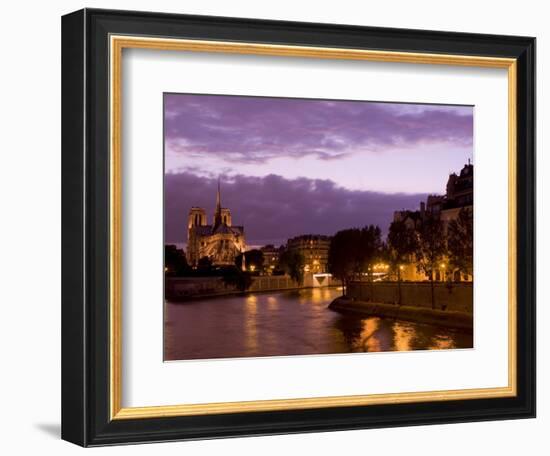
{"x":221,"y":241}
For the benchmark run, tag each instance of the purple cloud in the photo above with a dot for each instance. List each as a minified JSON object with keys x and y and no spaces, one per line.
{"x":273,"y":209}
{"x":256,"y":129}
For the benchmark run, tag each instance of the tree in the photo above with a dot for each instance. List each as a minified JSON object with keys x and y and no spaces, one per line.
{"x":353,"y":251}
{"x":204,"y":265}
{"x":175,"y":262}
{"x":460,"y":242}
{"x":254,"y":260}
{"x":344,"y":256}
{"x":234,"y":276}
{"x":292,"y":263}
{"x":431,"y":248}
{"x":402,"y":244}
{"x":369,"y":250}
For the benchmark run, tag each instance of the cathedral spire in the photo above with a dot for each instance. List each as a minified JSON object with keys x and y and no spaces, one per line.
{"x":218,"y":213}
{"x":218,"y":198}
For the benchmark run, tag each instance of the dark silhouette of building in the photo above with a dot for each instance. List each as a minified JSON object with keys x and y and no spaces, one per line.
{"x":460,"y":188}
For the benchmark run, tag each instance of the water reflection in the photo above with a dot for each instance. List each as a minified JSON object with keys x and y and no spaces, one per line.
{"x":289,"y":323}
{"x":402,"y":337}
{"x":250,"y":325}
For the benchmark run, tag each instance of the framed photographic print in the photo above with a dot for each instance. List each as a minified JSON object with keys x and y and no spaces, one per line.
{"x":279,"y":227}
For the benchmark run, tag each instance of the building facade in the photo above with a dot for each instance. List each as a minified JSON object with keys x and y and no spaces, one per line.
{"x":271,"y":255}
{"x":221,"y":242}
{"x":459,"y":194}
{"x":460,"y":188}
{"x":314,"y":248}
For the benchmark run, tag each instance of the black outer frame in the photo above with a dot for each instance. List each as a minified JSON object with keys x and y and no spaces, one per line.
{"x":85,"y":227}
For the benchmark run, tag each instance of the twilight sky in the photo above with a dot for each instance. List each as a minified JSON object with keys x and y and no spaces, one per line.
{"x":297,"y":166}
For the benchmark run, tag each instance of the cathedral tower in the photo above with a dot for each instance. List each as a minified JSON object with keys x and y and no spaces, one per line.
{"x":226,"y":216}
{"x":197,"y":217}
{"x":221,"y":241}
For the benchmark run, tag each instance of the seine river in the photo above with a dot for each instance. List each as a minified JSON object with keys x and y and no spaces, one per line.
{"x":289,"y":323}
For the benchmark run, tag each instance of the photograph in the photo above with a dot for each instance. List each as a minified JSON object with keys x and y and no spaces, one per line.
{"x":310,"y":226}
{"x":269,"y":226}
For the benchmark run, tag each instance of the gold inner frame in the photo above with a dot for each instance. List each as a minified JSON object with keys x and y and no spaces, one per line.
{"x":117,"y":44}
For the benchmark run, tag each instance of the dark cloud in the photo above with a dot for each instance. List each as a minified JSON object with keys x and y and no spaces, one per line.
{"x":256,"y":129}
{"x":273,"y":208}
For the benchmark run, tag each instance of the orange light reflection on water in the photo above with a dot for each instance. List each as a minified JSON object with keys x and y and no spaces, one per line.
{"x":371,"y":343}
{"x":250,"y":327}
{"x":442,"y":343}
{"x":402,"y":336}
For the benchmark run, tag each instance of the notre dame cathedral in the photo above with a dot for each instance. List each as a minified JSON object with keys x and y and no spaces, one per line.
{"x":221,"y":242}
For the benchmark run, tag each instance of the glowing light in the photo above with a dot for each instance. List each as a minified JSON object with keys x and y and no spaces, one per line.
{"x":368,"y":338}
{"x":250,"y":324}
{"x":442,"y":343}
{"x":402,"y":337}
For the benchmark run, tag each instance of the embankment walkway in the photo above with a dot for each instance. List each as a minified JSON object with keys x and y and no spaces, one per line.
{"x":448,"y":318}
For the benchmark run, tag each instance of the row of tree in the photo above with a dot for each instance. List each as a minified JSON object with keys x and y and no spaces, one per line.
{"x":354,"y":252}
{"x":290,"y":263}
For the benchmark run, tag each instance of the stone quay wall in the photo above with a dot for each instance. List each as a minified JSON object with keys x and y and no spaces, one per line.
{"x":417,"y":314}
{"x":270,"y":283}
{"x":458,"y":297}
{"x":195,"y":287}
{"x":190,"y":287}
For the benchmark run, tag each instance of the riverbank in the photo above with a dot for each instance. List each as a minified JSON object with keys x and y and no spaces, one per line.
{"x":456,"y":296}
{"x":191,"y":288}
{"x":447,"y":318}
{"x":227,"y":293}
